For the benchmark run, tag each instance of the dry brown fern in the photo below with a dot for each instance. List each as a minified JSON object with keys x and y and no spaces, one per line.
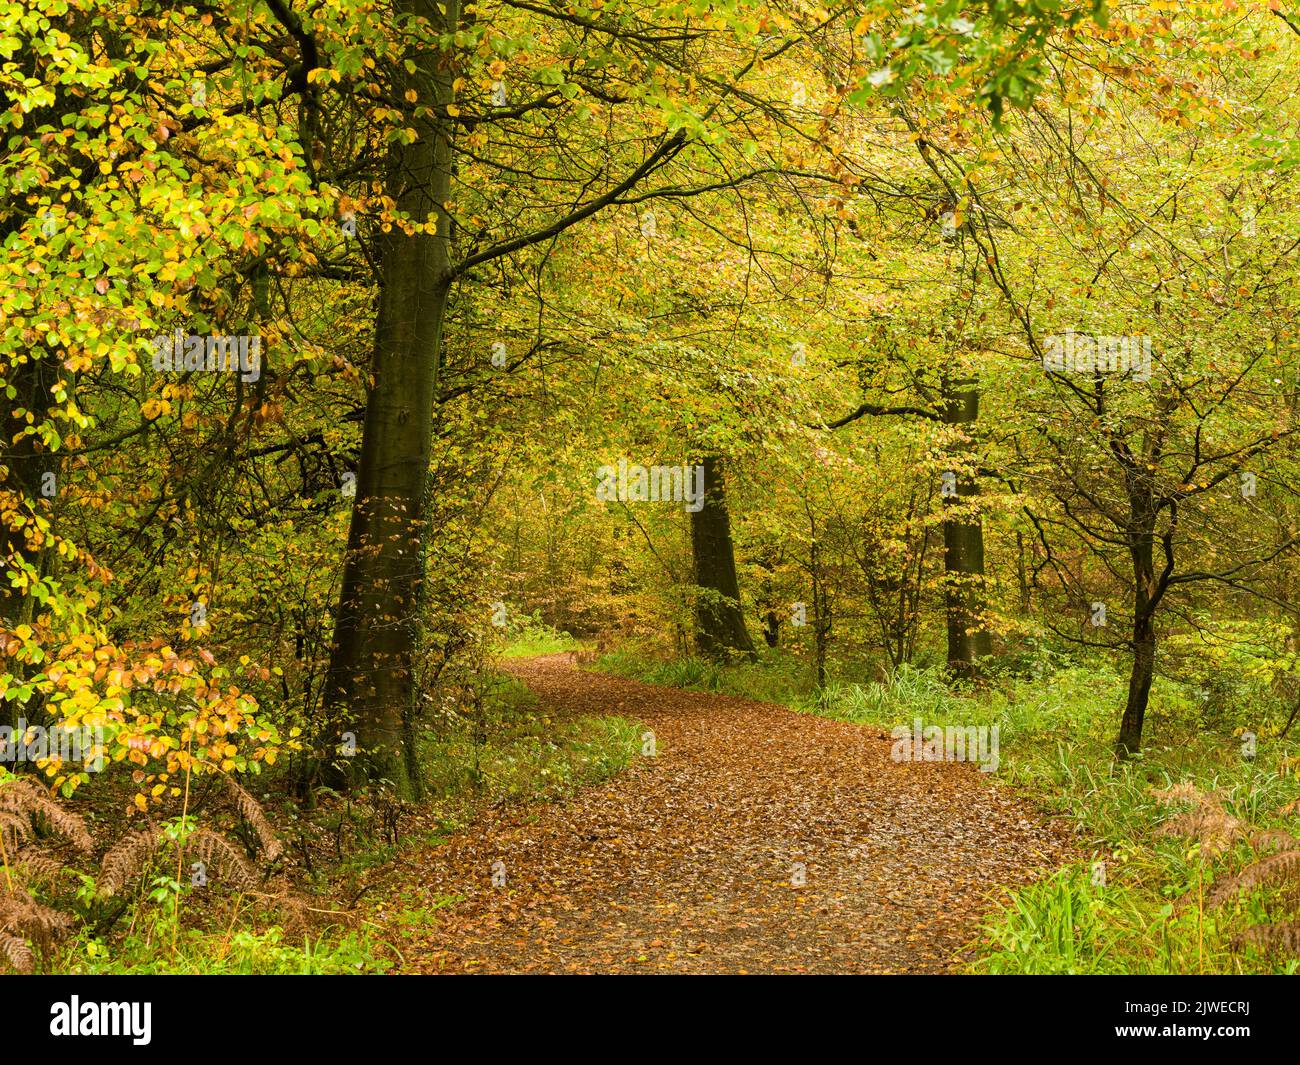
{"x":1186,"y":791}
{"x":251,"y":811}
{"x":1215,"y":829}
{"x":1284,"y":936}
{"x":218,"y":852}
{"x":34,"y":864}
{"x":127,"y":859}
{"x":15,"y":830}
{"x":1271,"y":870}
{"x":27,"y":800}
{"x":19,"y":912}
{"x":24,"y":923}
{"x":1205,"y":821}
{"x":1210,"y":823}
{"x":17,"y":953}
{"x":1275,"y":838}
{"x":293,"y":911}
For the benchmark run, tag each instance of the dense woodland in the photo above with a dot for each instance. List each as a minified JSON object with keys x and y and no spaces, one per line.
{"x":885,"y":361}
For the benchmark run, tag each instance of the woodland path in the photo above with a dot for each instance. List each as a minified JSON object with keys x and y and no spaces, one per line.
{"x":684,"y":862}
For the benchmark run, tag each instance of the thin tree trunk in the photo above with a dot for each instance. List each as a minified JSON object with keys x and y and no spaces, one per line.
{"x":370,"y":686}
{"x":720,"y":630}
{"x":1141,"y":549}
{"x":821,"y":612}
{"x":1139,"y":689}
{"x":767,"y":605}
{"x":963,"y":542}
{"x":1022,"y":573}
{"x":27,"y":465}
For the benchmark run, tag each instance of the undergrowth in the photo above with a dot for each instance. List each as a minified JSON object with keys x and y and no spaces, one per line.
{"x":505,"y":748}
{"x":218,"y":893}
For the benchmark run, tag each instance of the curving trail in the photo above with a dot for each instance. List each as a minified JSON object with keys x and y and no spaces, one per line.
{"x":684,"y":863}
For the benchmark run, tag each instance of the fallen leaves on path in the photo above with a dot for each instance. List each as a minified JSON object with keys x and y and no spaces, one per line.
{"x":756,"y":840}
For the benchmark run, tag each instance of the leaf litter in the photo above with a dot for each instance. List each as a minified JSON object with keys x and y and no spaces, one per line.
{"x":755,"y":840}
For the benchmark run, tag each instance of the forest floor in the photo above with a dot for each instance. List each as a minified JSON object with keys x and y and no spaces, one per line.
{"x":755,"y":839}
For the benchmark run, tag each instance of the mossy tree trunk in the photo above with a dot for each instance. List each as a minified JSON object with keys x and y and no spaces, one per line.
{"x":720,"y":631}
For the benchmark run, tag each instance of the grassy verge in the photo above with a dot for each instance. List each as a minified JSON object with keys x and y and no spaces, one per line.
{"x":233,"y":952}
{"x":514,"y":752}
{"x":530,"y":636}
{"x":1165,"y":833}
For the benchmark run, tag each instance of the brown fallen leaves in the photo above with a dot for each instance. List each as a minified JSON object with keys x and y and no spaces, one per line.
{"x":756,"y":840}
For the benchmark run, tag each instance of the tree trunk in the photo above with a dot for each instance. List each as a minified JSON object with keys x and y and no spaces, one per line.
{"x":23,"y":477}
{"x":963,"y":543}
{"x":23,"y":470}
{"x":720,"y":628}
{"x":25,"y":461}
{"x":1139,"y":689}
{"x":766,"y":603}
{"x":370,"y":685}
{"x":1141,"y":549}
{"x":821,"y":612}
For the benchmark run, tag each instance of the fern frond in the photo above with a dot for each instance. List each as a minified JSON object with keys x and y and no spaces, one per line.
{"x":1271,"y":870}
{"x":1285,"y":935}
{"x":1274,"y":838}
{"x":15,"y":830}
{"x":127,"y":859}
{"x":22,"y":797}
{"x":21,"y":915}
{"x":37,"y":865}
{"x":1186,"y":791}
{"x":17,"y":953}
{"x":251,"y":811}
{"x":1212,"y":827}
{"x":217,"y":851}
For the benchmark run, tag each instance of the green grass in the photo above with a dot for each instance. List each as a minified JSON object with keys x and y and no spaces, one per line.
{"x":1057,"y":720}
{"x":523,"y":764}
{"x":774,"y":679}
{"x":241,"y":951}
{"x":530,"y":636}
{"x":515,"y":752}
